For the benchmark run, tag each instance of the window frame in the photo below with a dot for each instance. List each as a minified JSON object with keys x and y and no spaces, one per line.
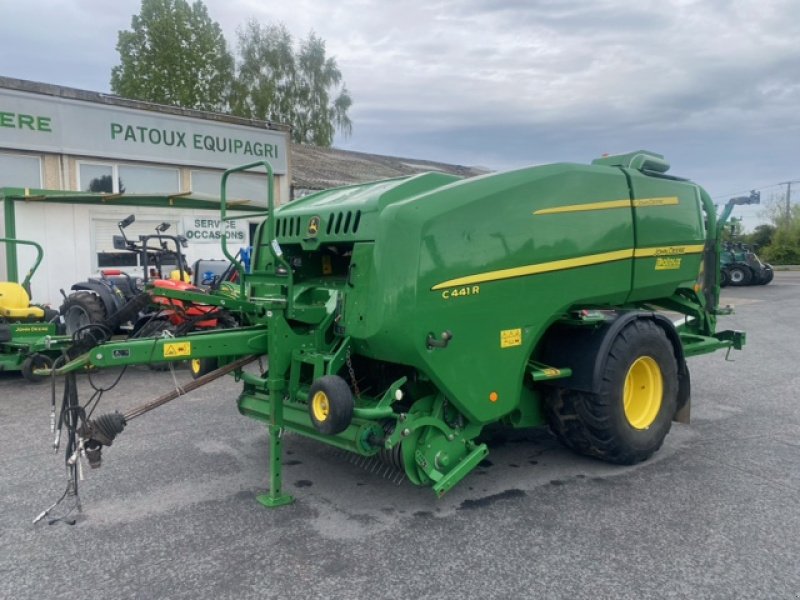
{"x":115,"y":175}
{"x":35,"y":157}
{"x":96,"y":163}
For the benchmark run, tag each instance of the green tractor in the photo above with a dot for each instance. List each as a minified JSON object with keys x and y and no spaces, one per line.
{"x":740,"y":265}
{"x":403,"y":318}
{"x":28,"y":332}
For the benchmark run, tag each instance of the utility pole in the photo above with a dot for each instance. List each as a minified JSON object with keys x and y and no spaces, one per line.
{"x":788,"y":185}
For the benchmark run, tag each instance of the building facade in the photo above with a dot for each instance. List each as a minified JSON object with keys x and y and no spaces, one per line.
{"x":74,"y":163}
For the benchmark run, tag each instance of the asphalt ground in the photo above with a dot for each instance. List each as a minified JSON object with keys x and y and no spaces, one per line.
{"x":172,"y":514}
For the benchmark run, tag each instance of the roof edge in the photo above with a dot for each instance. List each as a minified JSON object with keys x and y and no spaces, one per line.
{"x":49,"y":89}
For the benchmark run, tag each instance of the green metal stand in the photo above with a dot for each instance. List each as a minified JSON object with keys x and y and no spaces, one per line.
{"x":275,"y":497}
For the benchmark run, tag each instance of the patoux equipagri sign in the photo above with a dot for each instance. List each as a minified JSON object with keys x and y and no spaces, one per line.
{"x":30,"y":121}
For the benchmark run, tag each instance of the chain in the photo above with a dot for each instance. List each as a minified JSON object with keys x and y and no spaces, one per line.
{"x":349,"y":362}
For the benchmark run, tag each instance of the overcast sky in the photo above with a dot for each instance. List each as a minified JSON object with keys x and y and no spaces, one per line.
{"x":714,"y":85}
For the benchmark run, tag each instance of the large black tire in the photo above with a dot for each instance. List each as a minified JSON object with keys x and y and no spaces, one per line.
{"x":607,"y":424}
{"x":81,"y":309}
{"x":330,"y":404}
{"x":740,"y":275}
{"x":767,"y":275}
{"x":33,"y":362}
{"x":724,"y":278}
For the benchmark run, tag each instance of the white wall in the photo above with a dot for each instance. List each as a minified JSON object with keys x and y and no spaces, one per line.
{"x":66,"y":233}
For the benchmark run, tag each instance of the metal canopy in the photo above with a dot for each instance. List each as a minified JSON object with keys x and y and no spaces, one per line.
{"x":182,"y":200}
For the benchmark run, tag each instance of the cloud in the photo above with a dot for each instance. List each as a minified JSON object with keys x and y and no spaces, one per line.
{"x":713,"y":83}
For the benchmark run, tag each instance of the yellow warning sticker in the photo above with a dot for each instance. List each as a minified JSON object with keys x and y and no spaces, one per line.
{"x":173,"y":349}
{"x":667,"y":264}
{"x":327,"y":264}
{"x":510,"y":338}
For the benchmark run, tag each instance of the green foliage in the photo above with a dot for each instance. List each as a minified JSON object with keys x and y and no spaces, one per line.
{"x":784,"y":247}
{"x":761,"y":236}
{"x":303,"y":88}
{"x":318,"y":115}
{"x":264,"y":86}
{"x":176,"y":55}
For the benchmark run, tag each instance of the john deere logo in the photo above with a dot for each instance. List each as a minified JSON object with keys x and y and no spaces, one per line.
{"x":313,"y":226}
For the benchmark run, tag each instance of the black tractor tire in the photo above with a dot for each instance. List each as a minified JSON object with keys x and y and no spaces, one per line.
{"x":600,"y":424}
{"x":740,"y":275}
{"x":33,"y":362}
{"x":724,"y":277}
{"x":81,"y":309}
{"x":767,"y":275}
{"x":330,"y":404}
{"x":202,"y":366}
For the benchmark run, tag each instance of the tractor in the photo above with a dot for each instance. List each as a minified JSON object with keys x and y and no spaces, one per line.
{"x":94,"y":301}
{"x":740,"y":265}
{"x":403,"y":318}
{"x":29,"y":337}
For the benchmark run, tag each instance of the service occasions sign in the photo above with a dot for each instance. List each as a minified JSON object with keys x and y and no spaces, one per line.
{"x":206,"y":230}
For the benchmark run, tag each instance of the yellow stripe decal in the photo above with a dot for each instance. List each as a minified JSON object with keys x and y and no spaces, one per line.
{"x":665,"y":201}
{"x":569,"y":263}
{"x":584,"y":207}
{"x":638,"y":203}
{"x":556,"y":265}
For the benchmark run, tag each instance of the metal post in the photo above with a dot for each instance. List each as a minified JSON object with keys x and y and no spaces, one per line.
{"x":11,"y":232}
{"x":276,"y":387}
{"x":788,"y":185}
{"x":788,"y":201}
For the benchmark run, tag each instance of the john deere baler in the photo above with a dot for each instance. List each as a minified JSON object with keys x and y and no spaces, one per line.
{"x":402,"y":317}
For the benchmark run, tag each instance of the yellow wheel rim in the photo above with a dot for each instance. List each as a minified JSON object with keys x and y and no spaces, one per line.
{"x":644,"y":389}
{"x":320,"y":406}
{"x":195,"y":365}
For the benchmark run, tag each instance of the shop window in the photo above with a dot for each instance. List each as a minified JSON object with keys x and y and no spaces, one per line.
{"x":96,"y":177}
{"x":19,"y":170}
{"x":131,"y":179}
{"x":146,"y":180}
{"x":107,"y":256}
{"x":241,"y":186}
{"x":116,"y":259}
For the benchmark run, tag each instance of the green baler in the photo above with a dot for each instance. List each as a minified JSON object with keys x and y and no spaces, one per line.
{"x":402,"y":317}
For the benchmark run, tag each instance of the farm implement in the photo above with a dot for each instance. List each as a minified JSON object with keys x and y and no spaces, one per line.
{"x":400,"y":318}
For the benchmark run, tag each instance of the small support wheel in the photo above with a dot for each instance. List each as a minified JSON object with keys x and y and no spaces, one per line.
{"x":202,"y":366}
{"x":33,"y":362}
{"x":330,"y":404}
